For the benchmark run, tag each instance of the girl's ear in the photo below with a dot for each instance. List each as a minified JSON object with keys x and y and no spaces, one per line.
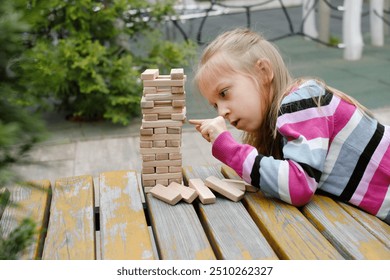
{"x":265,"y":69}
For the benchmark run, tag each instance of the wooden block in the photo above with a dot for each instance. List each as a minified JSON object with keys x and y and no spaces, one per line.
{"x":178,"y":103}
{"x":160,"y":130}
{"x":162,"y":156}
{"x":177,"y":90}
{"x":146,"y":144}
{"x":179,"y":181}
{"x":148,"y":183}
{"x":164,"y":96}
{"x":204,"y":193}
{"x":174,"y":130}
{"x":165,"y":136}
{"x":163,"y":103}
{"x":162,"y":176}
{"x":159,"y":144}
{"x":238,"y":184}
{"x":159,"y":150}
{"x":161,"y":169}
{"x":174,"y":156}
{"x":147,"y":103}
{"x":146,"y":131}
{"x":149,"y":74}
{"x":164,"y":123}
{"x":164,"y":182}
{"x":149,"y":90}
{"x":231,"y":174}
{"x":174,"y":169}
{"x":168,"y":195}
{"x":148,"y":170}
{"x":164,"y":116}
{"x":161,"y":110}
{"x":223,"y":188}
{"x":147,"y":158}
{"x":164,"y":162}
{"x":179,"y":116}
{"x":163,"y":82}
{"x":188,"y":194}
{"x":123,"y":227}
{"x":173,"y":143}
{"x":177,"y":74}
{"x":150,"y":117}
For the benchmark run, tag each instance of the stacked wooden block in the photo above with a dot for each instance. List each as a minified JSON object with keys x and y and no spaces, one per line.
{"x":164,"y":112}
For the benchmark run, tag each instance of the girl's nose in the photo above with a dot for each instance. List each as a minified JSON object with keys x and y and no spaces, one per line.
{"x":223,"y":111}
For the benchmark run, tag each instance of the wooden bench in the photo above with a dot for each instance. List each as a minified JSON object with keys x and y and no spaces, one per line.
{"x":110,"y":217}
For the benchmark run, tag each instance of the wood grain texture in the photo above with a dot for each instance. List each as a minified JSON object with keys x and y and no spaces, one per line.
{"x":178,"y":231}
{"x":123,"y":228}
{"x":32,"y":201}
{"x":71,"y":230}
{"x":351,"y":239}
{"x":287,"y":230}
{"x":230,"y":229}
{"x":374,"y":225}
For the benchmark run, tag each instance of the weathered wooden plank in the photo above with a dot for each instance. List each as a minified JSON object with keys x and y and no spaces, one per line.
{"x":232,"y":232}
{"x":178,"y":231}
{"x":71,"y":230}
{"x":287,"y":230}
{"x":375,"y":226}
{"x":123,"y":228}
{"x":351,"y":239}
{"x":30,"y":201}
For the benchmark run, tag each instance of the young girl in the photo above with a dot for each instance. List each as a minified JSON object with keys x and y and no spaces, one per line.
{"x":300,"y":135}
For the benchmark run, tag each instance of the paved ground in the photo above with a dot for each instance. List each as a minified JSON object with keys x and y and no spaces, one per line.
{"x":91,"y":148}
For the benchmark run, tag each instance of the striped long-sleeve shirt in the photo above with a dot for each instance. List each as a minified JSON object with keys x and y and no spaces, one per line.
{"x":333,"y":147}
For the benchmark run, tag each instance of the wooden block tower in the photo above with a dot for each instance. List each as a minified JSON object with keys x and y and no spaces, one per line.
{"x":164,"y":112}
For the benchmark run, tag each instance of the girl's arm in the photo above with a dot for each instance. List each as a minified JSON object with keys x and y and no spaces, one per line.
{"x":306,"y":128}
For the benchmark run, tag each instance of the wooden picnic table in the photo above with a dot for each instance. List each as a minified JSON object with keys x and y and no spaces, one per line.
{"x":110,"y":217}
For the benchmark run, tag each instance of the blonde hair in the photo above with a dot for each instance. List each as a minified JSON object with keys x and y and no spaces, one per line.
{"x":238,"y":52}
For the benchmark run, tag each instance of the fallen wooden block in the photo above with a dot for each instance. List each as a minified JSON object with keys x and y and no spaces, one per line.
{"x":188,"y":194}
{"x":204,"y":193}
{"x":238,"y":184}
{"x":168,"y":195}
{"x":224,"y":188}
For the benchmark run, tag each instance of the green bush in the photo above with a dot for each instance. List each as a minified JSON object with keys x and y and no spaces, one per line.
{"x":20,"y":130}
{"x":85,"y":56}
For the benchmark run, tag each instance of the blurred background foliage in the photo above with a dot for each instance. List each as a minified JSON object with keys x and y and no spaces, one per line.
{"x":81,"y":58}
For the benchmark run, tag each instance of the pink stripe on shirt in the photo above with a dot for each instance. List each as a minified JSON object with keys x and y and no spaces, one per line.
{"x":302,"y":187}
{"x":344,"y":114}
{"x":226,"y":149}
{"x":378,"y":186}
{"x":312,"y":128}
{"x":369,"y":173}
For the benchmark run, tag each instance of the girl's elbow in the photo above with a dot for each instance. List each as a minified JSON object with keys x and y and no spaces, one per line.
{"x":302,"y":198}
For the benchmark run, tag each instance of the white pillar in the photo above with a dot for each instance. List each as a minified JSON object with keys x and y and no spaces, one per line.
{"x":376,"y":22}
{"x":324,"y":20}
{"x":309,"y":25}
{"x":352,"y":35}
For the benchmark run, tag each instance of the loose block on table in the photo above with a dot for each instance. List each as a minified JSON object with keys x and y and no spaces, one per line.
{"x":188,"y":194}
{"x":165,"y":194}
{"x":224,"y":188}
{"x":204,"y":193}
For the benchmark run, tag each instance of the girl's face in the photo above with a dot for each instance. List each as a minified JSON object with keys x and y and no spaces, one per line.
{"x":237,"y":98}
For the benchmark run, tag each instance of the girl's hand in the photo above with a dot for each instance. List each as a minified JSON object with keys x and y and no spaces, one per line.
{"x":210,"y":128}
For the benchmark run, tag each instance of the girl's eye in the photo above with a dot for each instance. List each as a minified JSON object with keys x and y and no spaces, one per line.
{"x":223,"y":92}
